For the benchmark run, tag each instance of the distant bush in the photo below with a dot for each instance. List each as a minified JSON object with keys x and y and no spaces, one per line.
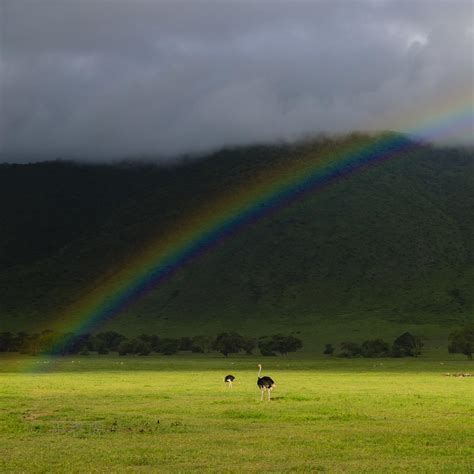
{"x":375,"y":348}
{"x":462,"y":341}
{"x":405,"y":345}
{"x":185,"y":344}
{"x":169,"y":346}
{"x":142,"y":347}
{"x":266,"y":346}
{"x":80,"y":344}
{"x":328,"y":349}
{"x":228,"y":343}
{"x":201,"y":344}
{"x":285,"y":344}
{"x":7,"y":342}
{"x":125,"y":347}
{"x":37,"y":343}
{"x":107,"y":341}
{"x":152,"y":340}
{"x":249,"y":344}
{"x":278,"y":343}
{"x":350,"y":349}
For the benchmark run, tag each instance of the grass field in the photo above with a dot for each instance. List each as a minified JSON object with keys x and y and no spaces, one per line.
{"x":175,"y":414}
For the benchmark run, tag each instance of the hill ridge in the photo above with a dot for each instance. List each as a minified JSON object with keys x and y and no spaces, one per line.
{"x":394,"y":241}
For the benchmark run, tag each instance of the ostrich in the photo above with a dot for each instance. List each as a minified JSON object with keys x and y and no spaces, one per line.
{"x":264,"y":383}
{"x":229,"y":379}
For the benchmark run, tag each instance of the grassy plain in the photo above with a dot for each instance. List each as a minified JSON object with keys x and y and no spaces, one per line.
{"x":175,"y":414}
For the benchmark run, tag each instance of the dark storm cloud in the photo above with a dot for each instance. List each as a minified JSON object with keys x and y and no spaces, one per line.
{"x":110,"y":79}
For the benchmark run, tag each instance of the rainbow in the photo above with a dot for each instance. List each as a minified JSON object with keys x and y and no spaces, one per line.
{"x":263,"y":196}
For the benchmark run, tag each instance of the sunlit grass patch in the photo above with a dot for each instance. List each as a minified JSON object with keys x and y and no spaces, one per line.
{"x":333,"y":416}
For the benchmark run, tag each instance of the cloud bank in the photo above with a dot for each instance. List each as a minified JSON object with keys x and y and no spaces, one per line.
{"x":113,"y":79}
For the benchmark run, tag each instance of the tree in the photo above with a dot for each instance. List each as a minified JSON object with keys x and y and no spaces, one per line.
{"x":169,"y":346}
{"x":30,"y":344}
{"x":329,"y":349}
{"x":7,"y":342}
{"x":462,"y":341}
{"x":285,"y":344}
{"x":141,"y":347}
{"x":350,"y":349}
{"x":375,"y":348}
{"x":79,"y":344}
{"x":248,"y":345}
{"x":185,"y":344}
{"x":201,"y":344}
{"x":125,"y":348}
{"x":152,"y":340}
{"x":107,"y":341}
{"x":20,"y":341}
{"x":266,"y":346}
{"x":407,"y":345}
{"x":278,"y":343}
{"x":228,"y":343}
{"x":99,"y":345}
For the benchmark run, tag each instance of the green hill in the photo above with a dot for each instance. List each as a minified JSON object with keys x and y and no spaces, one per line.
{"x":381,"y":251}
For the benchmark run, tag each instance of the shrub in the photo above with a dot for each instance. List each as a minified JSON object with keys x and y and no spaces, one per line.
{"x":169,"y":346}
{"x":228,"y":343}
{"x":285,"y":344}
{"x":7,"y":340}
{"x":201,"y":344}
{"x":141,"y":347}
{"x":107,"y":341}
{"x":328,"y":349}
{"x":266,"y":346}
{"x":350,"y":349}
{"x":462,"y":341}
{"x":185,"y":344}
{"x":248,"y":345}
{"x":125,"y":347}
{"x":79,"y":344}
{"x":407,"y":345}
{"x":152,"y":340}
{"x":375,"y":348}
{"x":278,"y":343}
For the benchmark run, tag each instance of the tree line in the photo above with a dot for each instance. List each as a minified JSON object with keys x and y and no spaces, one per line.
{"x":47,"y":342}
{"x":405,"y":345}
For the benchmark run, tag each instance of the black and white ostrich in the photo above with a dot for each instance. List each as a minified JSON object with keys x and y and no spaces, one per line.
{"x":265,"y":384}
{"x":229,"y":379}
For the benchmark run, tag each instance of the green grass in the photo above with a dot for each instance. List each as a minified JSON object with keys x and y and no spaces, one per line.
{"x":175,"y":414}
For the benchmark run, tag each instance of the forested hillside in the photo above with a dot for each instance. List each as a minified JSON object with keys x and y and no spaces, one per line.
{"x":386,"y":247}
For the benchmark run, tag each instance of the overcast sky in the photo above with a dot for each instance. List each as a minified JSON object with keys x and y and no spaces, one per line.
{"x":108,"y":79}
